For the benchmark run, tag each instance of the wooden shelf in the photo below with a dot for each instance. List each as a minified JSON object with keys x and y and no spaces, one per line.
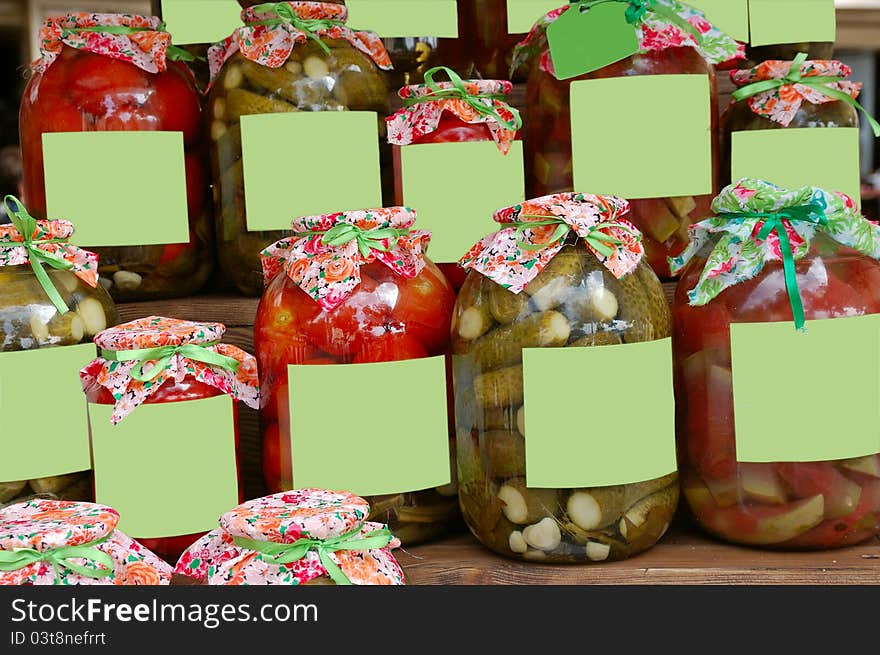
{"x":682,"y":557}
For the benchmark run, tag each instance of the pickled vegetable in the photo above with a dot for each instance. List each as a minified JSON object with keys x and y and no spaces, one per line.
{"x":573,"y":302}
{"x":343,"y":79}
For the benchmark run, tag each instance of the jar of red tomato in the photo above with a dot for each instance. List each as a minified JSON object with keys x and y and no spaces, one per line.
{"x":89,"y":80}
{"x":457,"y":111}
{"x":351,"y":288}
{"x":548,"y":135}
{"x":771,"y":256}
{"x":179,"y":449}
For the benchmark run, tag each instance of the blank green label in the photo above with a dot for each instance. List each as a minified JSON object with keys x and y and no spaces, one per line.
{"x":118,"y":188}
{"x":826,"y":157}
{"x":729,"y":16}
{"x":618,"y":149}
{"x":43,"y":421}
{"x":599,"y":416}
{"x":393,"y":18}
{"x":200,"y":21}
{"x":371,"y":429}
{"x":805,"y":397}
{"x":169,"y":468}
{"x":456,"y":188}
{"x":792,"y":21}
{"x":523,"y":14}
{"x":307,"y":163}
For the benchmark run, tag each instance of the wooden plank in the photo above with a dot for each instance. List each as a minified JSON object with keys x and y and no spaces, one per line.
{"x":232,"y":311}
{"x":682,"y":557}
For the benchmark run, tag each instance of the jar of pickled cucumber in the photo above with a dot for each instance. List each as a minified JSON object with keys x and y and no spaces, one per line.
{"x":280,"y":540}
{"x":330,"y":304}
{"x":457,"y":111}
{"x":783,"y":94}
{"x":121,"y":80}
{"x":540,"y":283}
{"x":325,"y":69}
{"x":161,"y":378}
{"x":548,"y":134}
{"x":817,"y":273}
{"x":51,"y":306}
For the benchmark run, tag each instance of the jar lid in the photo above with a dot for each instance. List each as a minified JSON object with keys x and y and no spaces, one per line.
{"x":288,"y":516}
{"x":156,"y":331}
{"x":48,"y":524}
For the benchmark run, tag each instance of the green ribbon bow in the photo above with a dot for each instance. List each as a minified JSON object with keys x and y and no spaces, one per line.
{"x":367,"y":240}
{"x":637,"y":9}
{"x":172,"y":52}
{"x":286,"y":15}
{"x":280,"y":554}
{"x":26,"y":226}
{"x":796,"y":75}
{"x":603,"y":243}
{"x":775,"y":222}
{"x":475,"y":100}
{"x":163,"y":355}
{"x":61,"y":558}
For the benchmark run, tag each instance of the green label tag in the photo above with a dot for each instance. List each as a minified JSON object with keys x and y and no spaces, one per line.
{"x":33,"y":382}
{"x":729,"y":16}
{"x":582,"y":41}
{"x":456,"y":187}
{"x":792,"y":21}
{"x":371,"y":429}
{"x":827,"y":157}
{"x":804,"y":397}
{"x":307,"y":163}
{"x":612,"y":420}
{"x":523,"y":14}
{"x":617,"y":150}
{"x":396,"y":18}
{"x":169,"y":468}
{"x":200,"y":21}
{"x":118,"y":188}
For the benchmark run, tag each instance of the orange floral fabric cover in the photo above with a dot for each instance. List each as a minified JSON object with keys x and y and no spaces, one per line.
{"x":85,"y":263}
{"x":285,"y":518}
{"x":44,"y":525}
{"x":157,"y":331}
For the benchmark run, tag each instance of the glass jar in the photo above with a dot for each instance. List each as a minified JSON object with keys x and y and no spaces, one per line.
{"x":388,"y":317}
{"x":199,"y":380}
{"x":574,"y":302}
{"x":491,"y":42}
{"x":104,"y":556}
{"x":451,"y":121}
{"x":29,"y":321}
{"x":784,"y":505}
{"x":789,"y":106}
{"x":548,"y":145}
{"x":230,"y":555}
{"x":310,"y":79}
{"x":87,"y":89}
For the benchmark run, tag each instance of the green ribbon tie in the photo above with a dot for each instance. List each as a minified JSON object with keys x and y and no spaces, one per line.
{"x":172,"y":52}
{"x":775,"y":222}
{"x":367,"y":240}
{"x":163,"y":355}
{"x":603,"y":243}
{"x":26,"y":226}
{"x":475,"y":100}
{"x":286,"y":15}
{"x":637,"y":9}
{"x":795,"y":75}
{"x":280,"y":554}
{"x":62,"y":558}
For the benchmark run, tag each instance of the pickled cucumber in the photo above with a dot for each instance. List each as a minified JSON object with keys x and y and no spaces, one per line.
{"x":506,"y":306}
{"x":245,"y":103}
{"x":505,"y":454}
{"x":558,"y":281}
{"x":504,"y":345}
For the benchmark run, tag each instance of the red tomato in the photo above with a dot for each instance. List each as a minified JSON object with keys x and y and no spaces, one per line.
{"x":455,"y":274}
{"x":835,"y":299}
{"x":424,"y":306}
{"x":196,"y":185}
{"x":100,"y":85}
{"x":128,"y":119}
{"x":452,"y":129}
{"x":61,"y":116}
{"x":863,"y":276}
{"x":276,"y":460}
{"x":390,"y":347}
{"x":175,"y":103}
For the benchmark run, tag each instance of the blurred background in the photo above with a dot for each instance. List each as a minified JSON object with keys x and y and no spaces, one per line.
{"x":858,"y":44}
